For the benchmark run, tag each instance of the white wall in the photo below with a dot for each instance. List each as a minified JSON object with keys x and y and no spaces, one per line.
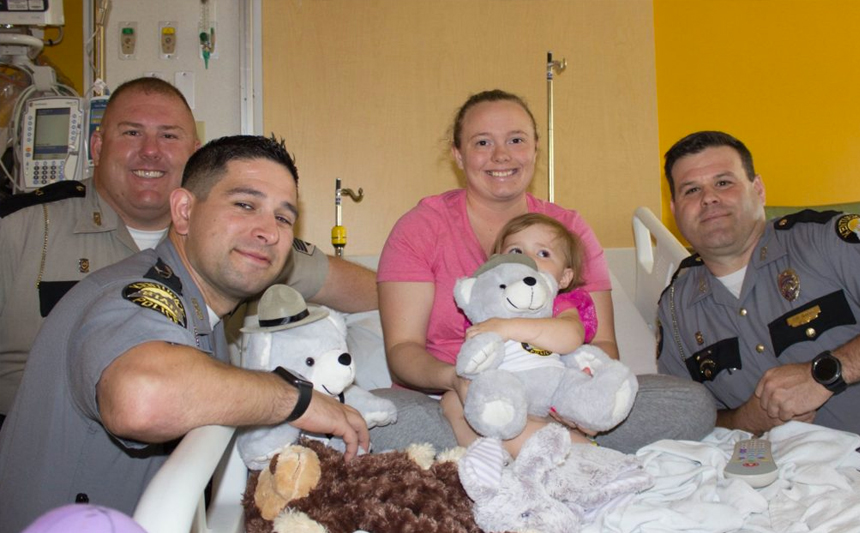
{"x":216,"y":91}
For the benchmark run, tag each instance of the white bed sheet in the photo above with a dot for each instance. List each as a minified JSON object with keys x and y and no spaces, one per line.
{"x":818,"y":489}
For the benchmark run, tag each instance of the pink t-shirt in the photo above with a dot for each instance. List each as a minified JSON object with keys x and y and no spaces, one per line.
{"x":434,"y":243}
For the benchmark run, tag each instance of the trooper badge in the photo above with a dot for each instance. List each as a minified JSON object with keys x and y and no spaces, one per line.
{"x":789,"y":284}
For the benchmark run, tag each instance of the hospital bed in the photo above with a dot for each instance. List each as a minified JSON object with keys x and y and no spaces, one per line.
{"x":173,"y":502}
{"x":689,"y":490}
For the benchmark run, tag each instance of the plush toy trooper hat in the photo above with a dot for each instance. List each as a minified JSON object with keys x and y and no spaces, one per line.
{"x":282,"y":307}
{"x":501,"y":259}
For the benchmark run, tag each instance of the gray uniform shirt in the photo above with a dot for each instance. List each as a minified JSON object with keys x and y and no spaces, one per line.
{"x":53,"y":445}
{"x":76,"y":236}
{"x":800,"y":296}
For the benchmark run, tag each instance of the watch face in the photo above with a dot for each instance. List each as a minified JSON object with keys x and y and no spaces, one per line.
{"x":826,"y":369}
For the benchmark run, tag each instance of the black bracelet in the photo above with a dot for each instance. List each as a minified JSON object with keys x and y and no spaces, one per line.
{"x":305,"y":389}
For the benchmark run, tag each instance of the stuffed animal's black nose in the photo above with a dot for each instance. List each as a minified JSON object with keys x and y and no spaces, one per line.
{"x":345,"y":359}
{"x":530,"y":281}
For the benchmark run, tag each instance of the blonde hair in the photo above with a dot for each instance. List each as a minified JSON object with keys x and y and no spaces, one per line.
{"x":571,"y":245}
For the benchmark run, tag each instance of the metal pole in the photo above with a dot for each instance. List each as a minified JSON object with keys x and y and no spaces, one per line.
{"x":338,"y":232}
{"x":550,"y":66}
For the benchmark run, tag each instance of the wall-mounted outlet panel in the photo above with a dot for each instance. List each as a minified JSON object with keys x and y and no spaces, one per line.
{"x":127,"y":40}
{"x":167,"y":35}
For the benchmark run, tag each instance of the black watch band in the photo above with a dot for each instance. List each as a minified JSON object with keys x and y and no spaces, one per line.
{"x":827,"y":371}
{"x":304,"y":387}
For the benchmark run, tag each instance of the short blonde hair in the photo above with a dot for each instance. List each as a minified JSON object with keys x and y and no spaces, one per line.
{"x":571,"y":245}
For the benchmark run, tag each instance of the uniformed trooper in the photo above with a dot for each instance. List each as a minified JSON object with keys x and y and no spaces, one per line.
{"x":134,"y":356}
{"x":766,"y":313}
{"x":53,"y":237}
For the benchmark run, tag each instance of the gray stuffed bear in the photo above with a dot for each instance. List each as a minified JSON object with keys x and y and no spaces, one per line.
{"x":553,"y":486}
{"x":309,"y":341}
{"x":511,"y":380}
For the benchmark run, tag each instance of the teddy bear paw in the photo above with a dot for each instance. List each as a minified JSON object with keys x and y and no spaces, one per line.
{"x":479,"y":354}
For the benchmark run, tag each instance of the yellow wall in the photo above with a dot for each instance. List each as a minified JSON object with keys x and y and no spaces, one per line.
{"x":67,"y":58}
{"x":781,"y":75}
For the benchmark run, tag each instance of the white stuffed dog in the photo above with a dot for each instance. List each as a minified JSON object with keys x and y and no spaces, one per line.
{"x":309,"y":341}
{"x":511,"y":380}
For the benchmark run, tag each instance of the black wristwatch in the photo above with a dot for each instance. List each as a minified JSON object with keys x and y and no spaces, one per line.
{"x":827,"y":370}
{"x":305,"y":388}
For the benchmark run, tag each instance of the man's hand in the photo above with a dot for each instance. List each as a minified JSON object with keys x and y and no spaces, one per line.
{"x":752,"y":417}
{"x":330,"y":417}
{"x":787,"y":392}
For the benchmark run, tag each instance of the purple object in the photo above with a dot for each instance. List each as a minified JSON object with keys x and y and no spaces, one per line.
{"x":80,"y":518}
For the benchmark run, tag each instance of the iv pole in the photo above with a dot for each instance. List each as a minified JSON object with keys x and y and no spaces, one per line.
{"x":338,"y":232}
{"x":558,"y":66}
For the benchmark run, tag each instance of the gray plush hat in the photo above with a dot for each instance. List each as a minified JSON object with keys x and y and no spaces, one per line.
{"x":282,"y":307}
{"x":501,"y":259}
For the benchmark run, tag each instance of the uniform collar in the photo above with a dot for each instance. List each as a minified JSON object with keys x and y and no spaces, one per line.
{"x":706,"y":285}
{"x":195,"y":304}
{"x":98,"y":216}
{"x":769,"y":248}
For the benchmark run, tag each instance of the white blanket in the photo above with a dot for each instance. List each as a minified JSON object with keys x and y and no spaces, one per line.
{"x":818,"y":489}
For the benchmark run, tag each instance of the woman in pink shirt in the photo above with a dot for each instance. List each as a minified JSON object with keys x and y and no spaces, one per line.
{"x":449,"y":236}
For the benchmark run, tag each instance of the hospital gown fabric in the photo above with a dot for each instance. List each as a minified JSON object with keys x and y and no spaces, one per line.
{"x":818,"y":489}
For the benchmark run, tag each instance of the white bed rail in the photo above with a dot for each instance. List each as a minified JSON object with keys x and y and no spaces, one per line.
{"x":658,"y":254}
{"x":173,"y":500}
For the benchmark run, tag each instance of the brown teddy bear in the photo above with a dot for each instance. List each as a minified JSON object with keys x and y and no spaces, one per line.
{"x":309,"y":487}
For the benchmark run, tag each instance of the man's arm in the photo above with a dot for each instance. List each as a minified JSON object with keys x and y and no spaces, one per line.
{"x":157,"y":392}
{"x":348,"y":287}
{"x":788,"y":391}
{"x":753,"y":418}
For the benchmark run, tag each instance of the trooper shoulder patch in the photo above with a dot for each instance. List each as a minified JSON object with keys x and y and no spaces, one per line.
{"x":158,"y":297}
{"x":848,"y":228}
{"x":807,"y":215}
{"x":49,"y":193}
{"x":303,"y":247}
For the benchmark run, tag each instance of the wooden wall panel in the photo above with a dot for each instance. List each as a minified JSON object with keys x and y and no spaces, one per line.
{"x":366,"y":90}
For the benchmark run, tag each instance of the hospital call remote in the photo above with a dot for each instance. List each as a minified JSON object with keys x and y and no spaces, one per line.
{"x":753,"y":463}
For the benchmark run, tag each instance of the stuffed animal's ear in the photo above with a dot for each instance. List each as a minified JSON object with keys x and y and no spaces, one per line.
{"x":481,"y":469}
{"x":338,"y":319}
{"x":463,"y":291}
{"x":544,"y":450}
{"x":553,"y":284}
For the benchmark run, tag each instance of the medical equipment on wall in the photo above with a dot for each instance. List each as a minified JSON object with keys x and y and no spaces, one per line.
{"x":32,"y":13}
{"x":557,"y":66}
{"x":51,"y":141}
{"x":206,"y":31}
{"x":47,"y":127}
{"x":338,"y":232}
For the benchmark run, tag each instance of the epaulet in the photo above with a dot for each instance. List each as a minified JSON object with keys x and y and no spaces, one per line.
{"x":47,"y":194}
{"x":692,"y":261}
{"x":807,"y":215}
{"x":303,"y":247}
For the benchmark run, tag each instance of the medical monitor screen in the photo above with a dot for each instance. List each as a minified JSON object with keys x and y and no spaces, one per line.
{"x":52,"y":133}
